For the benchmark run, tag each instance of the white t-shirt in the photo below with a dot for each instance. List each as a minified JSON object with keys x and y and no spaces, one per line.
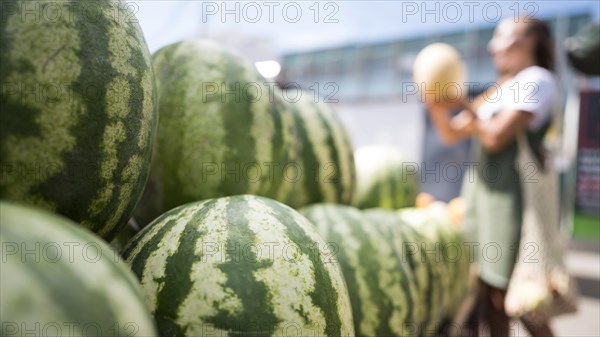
{"x":533,"y":89}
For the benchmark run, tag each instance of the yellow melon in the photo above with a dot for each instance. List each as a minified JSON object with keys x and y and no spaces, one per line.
{"x":440,"y":73}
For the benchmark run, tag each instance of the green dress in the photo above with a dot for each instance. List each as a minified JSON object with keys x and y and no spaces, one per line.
{"x":492,"y":192}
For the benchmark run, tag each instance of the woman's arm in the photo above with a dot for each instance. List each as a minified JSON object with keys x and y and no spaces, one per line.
{"x":451,"y":129}
{"x":497,"y":133}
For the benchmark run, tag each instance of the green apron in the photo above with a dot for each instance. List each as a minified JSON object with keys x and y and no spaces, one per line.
{"x":492,"y":192}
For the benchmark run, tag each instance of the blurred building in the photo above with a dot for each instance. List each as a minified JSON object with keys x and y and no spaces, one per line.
{"x":379,"y":70}
{"x":254,"y":47}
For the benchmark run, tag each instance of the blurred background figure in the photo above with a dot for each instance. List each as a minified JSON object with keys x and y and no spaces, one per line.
{"x":523,"y":55}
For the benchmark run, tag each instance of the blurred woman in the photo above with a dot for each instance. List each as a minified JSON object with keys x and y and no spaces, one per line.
{"x":521,"y":103}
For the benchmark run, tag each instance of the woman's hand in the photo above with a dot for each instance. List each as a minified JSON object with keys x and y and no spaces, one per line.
{"x":497,"y":133}
{"x":464,"y":122}
{"x":452,"y":129}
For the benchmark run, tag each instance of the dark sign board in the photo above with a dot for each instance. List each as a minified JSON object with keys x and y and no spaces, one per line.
{"x":587,"y":198}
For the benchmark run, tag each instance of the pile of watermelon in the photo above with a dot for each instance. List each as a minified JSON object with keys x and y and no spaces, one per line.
{"x":406,"y":270}
{"x":233,"y":213}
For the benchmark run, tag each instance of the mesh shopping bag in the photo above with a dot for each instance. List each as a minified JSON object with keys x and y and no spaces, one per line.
{"x":540,"y":286}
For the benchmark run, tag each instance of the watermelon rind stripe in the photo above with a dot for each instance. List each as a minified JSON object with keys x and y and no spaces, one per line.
{"x":238,"y":130}
{"x":326,"y":295}
{"x":333,"y":182}
{"x":177,"y":270}
{"x":310,"y":159}
{"x":254,"y":306}
{"x":343,"y":145}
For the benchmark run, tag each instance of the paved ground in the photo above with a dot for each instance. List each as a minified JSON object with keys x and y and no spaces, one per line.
{"x":584,"y":263}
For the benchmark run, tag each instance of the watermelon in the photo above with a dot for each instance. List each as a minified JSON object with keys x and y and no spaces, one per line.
{"x":440,"y":277}
{"x":78,"y":105}
{"x":406,"y":241}
{"x":221,"y":131}
{"x":241,"y":266}
{"x":59,"y":279}
{"x":326,"y":155}
{"x":455,"y":252}
{"x":448,"y":255}
{"x":382,"y":293}
{"x":384,"y":179}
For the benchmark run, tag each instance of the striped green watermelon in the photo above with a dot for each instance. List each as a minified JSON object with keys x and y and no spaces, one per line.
{"x":239,"y":266}
{"x":455,"y":253}
{"x":447,"y":253}
{"x":440,"y":278}
{"x":219,"y":133}
{"x":78,"y":108}
{"x":384,"y":179}
{"x":405,"y":241}
{"x":325,"y":154}
{"x":382,"y":292}
{"x":61,"y":280}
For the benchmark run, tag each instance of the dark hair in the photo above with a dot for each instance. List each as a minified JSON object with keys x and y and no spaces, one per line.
{"x":544,"y":44}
